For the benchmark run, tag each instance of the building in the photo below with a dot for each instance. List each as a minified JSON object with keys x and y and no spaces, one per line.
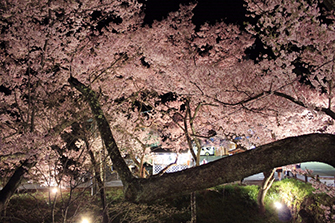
{"x":161,"y":158}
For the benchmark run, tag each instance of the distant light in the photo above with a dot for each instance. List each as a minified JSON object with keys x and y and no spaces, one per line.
{"x":278,"y":205}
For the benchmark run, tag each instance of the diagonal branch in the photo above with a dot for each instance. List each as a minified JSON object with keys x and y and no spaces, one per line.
{"x":327,"y":111}
{"x":105,"y":131}
{"x":167,"y":167}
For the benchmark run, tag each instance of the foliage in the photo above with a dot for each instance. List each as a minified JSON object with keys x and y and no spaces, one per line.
{"x":231,"y":203}
{"x":290,"y":191}
{"x":37,"y":207}
{"x":319,"y":208}
{"x":130,"y":212}
{"x":115,"y":195}
{"x":325,"y":198}
{"x":301,"y":199}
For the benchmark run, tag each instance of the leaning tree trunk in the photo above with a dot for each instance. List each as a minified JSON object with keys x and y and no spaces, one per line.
{"x":105,"y":133}
{"x":266,"y":184}
{"x":311,"y":147}
{"x":14,"y":182}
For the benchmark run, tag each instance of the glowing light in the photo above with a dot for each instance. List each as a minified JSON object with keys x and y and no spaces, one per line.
{"x":54,"y":190}
{"x":85,"y":220}
{"x":278,"y":205}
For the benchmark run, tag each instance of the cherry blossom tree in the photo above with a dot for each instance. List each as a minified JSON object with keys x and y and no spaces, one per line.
{"x":87,"y":58}
{"x":37,"y":39}
{"x":292,"y":32}
{"x":301,"y":38}
{"x":245,"y":98}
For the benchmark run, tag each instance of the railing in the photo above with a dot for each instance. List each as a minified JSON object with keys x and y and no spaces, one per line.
{"x":328,"y":180}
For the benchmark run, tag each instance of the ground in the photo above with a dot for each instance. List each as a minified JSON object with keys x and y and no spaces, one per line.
{"x":226,"y":203}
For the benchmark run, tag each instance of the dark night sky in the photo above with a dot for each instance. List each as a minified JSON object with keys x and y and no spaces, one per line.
{"x":231,"y":11}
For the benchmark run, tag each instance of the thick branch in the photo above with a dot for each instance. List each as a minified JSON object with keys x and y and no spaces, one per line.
{"x":241,"y":102}
{"x":313,"y":147}
{"x":327,"y":111}
{"x":105,"y":131}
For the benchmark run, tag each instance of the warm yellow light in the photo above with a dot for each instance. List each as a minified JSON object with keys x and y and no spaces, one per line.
{"x":85,"y":220}
{"x":54,"y":190}
{"x":278,"y":205}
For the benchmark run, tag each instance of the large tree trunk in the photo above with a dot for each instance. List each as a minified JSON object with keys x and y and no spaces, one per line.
{"x":13,"y":183}
{"x":312,"y":147}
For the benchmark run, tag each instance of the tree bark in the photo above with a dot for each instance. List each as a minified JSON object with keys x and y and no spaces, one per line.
{"x":101,"y":187}
{"x":312,"y":147}
{"x":105,"y":131}
{"x":266,"y":184}
{"x":193,"y":202}
{"x":14,"y":182}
